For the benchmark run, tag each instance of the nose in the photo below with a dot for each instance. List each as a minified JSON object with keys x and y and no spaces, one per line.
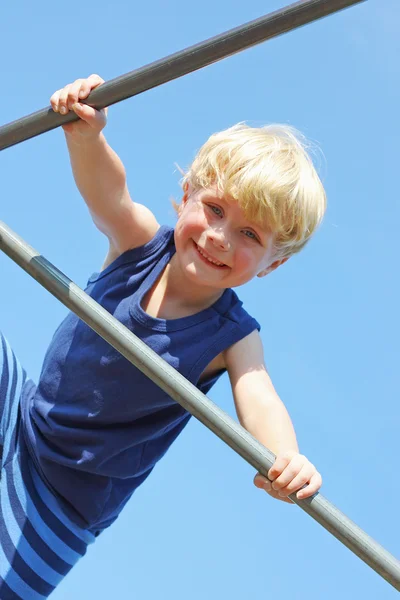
{"x":218,"y":236}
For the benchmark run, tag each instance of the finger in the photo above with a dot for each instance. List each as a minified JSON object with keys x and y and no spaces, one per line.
{"x":95,"y":80}
{"x":263,"y":483}
{"x":287,"y":500}
{"x":74,"y":92}
{"x":63,"y":100}
{"x":95,"y":118}
{"x":87,"y":85}
{"x":85,"y":89}
{"x":54,"y":100}
{"x":289,"y":473}
{"x":281,"y":499}
{"x":280,"y":464}
{"x":312,"y":488}
{"x":297,"y":482}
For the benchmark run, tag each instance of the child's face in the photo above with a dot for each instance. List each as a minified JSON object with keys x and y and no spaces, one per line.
{"x":217,"y":245}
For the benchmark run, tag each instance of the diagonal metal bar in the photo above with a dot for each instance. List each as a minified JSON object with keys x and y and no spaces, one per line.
{"x":186,"y":394}
{"x":178,"y":64}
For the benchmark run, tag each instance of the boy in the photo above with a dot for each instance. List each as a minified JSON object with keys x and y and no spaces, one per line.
{"x":94,"y":427}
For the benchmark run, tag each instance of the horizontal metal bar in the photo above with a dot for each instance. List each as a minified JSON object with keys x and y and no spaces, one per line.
{"x":186,"y":394}
{"x":178,"y":64}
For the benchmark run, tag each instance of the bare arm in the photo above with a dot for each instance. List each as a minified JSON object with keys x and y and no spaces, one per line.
{"x":263,"y":414}
{"x":99,"y":173}
{"x":258,"y":406}
{"x":100,"y":177}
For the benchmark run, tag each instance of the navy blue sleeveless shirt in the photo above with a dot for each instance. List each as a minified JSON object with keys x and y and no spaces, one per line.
{"x":95,"y":425}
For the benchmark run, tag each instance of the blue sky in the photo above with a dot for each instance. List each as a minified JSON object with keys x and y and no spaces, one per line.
{"x":198,"y":527}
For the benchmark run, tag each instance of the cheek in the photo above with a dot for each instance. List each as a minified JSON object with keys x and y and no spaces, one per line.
{"x":245,"y":259}
{"x":191,"y":223}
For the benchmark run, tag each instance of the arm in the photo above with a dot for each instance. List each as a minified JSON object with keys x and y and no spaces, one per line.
{"x":264,"y":415}
{"x":99,"y":173}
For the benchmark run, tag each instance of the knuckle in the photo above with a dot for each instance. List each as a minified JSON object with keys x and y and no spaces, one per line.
{"x":290,"y":488}
{"x":304,"y":481}
{"x":289,"y":454}
{"x":64,"y":94}
{"x":96,"y":78}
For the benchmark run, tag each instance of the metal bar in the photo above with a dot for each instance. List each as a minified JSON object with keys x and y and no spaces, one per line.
{"x":178,"y":64}
{"x":186,"y":394}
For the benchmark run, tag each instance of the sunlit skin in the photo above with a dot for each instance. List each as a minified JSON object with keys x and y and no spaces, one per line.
{"x":217,"y":247}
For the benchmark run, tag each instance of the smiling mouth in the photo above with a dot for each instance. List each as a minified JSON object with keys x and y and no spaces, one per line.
{"x":209,"y":259}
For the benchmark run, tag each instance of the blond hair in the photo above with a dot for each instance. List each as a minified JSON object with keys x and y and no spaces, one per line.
{"x":269,"y":172}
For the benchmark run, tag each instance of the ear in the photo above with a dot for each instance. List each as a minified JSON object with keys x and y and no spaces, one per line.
{"x":179,"y":207}
{"x":272,"y":267}
{"x":187,"y":190}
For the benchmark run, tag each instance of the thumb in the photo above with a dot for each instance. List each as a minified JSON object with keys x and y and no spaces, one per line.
{"x":262,"y":482}
{"x":95,"y":118}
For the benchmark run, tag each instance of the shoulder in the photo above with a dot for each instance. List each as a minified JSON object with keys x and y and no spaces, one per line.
{"x":247,"y":371}
{"x":233,"y":326}
{"x":137,"y":228}
{"x":239,"y":357}
{"x":246,"y":354}
{"x":242,"y":330}
{"x":152,"y":246}
{"x":232,"y":309}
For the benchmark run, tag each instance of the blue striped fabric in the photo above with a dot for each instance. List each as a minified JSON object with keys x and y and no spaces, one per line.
{"x":38,"y":543}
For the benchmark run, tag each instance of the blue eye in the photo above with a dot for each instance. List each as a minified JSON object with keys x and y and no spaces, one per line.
{"x":250,"y":234}
{"x":216,"y":210}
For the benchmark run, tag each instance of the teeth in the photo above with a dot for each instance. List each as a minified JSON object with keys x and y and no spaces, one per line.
{"x":214,"y":262}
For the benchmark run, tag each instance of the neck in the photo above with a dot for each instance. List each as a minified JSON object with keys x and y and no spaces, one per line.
{"x":189,"y":294}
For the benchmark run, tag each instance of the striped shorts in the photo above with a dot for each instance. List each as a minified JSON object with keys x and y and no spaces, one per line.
{"x":39,"y":544}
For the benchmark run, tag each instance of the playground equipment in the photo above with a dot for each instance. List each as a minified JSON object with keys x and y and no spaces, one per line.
{"x":121,"y":338}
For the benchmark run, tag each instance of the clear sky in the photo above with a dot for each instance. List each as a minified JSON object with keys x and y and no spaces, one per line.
{"x":198,"y":528}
